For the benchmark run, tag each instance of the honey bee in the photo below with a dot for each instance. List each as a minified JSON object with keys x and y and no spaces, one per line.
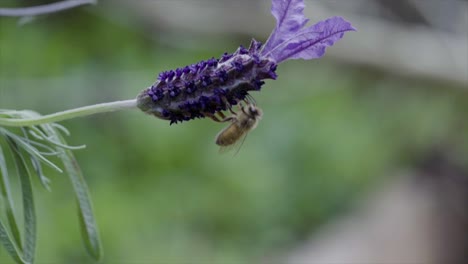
{"x":242,"y":122}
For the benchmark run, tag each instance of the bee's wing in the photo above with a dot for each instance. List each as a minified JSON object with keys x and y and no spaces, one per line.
{"x":236,"y":146}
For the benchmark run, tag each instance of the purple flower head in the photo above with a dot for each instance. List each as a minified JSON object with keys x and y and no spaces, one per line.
{"x":209,"y":87}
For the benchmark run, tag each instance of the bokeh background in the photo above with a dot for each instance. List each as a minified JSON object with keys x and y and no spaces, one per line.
{"x":361,"y":157}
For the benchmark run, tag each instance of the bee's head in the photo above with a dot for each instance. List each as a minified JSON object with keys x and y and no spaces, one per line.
{"x":252,"y":110}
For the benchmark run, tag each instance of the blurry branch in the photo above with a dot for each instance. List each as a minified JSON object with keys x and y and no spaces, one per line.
{"x":44,"y":9}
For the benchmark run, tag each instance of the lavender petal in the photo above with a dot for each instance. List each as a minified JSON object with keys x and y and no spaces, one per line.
{"x":311,"y":42}
{"x":289,"y":19}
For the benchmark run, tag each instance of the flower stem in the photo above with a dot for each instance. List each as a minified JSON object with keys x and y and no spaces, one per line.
{"x":69,"y":114}
{"x":44,"y":9}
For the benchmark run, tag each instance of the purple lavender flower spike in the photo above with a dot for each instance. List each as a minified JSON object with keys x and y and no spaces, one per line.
{"x":209,"y":87}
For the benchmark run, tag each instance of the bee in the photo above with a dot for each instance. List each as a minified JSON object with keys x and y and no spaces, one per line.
{"x":242,"y":123}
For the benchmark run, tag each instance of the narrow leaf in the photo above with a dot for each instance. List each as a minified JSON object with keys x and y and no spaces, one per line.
{"x":45,"y":182}
{"x":37,"y":133}
{"x":36,"y":164}
{"x":25,"y":144}
{"x":86,"y":216}
{"x":9,"y":244}
{"x":6,"y":197}
{"x":61,"y":128}
{"x":88,"y":223}
{"x":29,"y":240}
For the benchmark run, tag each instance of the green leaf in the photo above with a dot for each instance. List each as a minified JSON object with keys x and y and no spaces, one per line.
{"x":9,"y":244}
{"x":38,"y":169}
{"x":38,"y":134}
{"x":88,"y":223}
{"x":6,"y":195}
{"x":55,"y":145}
{"x":27,"y":146}
{"x":29,"y":241}
{"x":36,"y":164}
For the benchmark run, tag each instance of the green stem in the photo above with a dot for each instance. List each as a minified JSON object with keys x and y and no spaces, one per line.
{"x":69,"y":114}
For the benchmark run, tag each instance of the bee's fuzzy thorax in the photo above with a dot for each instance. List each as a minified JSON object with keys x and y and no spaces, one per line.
{"x":207,"y":87}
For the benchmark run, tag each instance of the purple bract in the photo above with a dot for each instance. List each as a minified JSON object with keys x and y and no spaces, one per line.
{"x":210,"y":87}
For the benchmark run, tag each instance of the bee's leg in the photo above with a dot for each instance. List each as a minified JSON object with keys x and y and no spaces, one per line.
{"x":228,"y":105}
{"x":241,"y":107}
{"x":216,"y":119}
{"x":229,"y":118}
{"x":232,"y":111}
{"x":243,"y":111}
{"x":221,"y":115}
{"x":213,"y":117}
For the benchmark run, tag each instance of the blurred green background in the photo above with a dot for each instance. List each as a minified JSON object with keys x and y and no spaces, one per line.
{"x":163,"y":194}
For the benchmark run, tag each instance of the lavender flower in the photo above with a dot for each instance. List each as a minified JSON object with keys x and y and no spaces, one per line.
{"x":209,"y":87}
